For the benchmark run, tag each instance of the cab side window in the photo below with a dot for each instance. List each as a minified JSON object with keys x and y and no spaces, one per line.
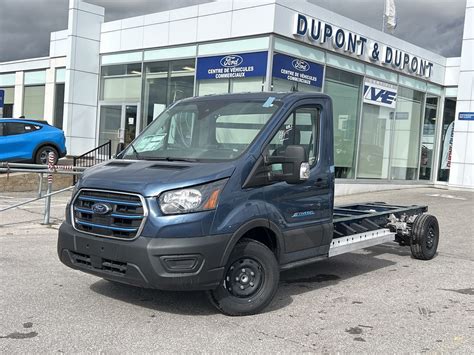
{"x":300,"y":128}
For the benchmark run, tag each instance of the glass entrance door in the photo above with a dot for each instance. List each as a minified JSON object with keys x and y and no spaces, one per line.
{"x":118,"y":123}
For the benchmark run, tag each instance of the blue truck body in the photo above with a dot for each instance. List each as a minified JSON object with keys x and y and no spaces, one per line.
{"x":117,"y":226}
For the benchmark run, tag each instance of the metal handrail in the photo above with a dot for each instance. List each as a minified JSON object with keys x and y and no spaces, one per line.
{"x":36,"y":199}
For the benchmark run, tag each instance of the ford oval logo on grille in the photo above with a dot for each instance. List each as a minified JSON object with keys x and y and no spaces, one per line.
{"x":101,"y":208}
{"x":300,"y":65}
{"x":231,"y":61}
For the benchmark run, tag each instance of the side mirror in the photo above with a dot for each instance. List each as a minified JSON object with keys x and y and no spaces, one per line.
{"x":295,"y":169}
{"x":120,"y":147}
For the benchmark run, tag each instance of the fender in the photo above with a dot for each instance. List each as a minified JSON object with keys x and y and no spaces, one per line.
{"x":239,"y":233}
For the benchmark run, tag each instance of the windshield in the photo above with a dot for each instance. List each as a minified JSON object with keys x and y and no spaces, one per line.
{"x":211,"y":129}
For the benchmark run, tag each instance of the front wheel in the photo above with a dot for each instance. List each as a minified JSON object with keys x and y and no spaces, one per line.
{"x":250,"y":281}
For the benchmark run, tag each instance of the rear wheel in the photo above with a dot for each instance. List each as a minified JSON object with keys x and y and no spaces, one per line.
{"x":250,"y":281}
{"x":425,"y":237}
{"x":41,"y":156}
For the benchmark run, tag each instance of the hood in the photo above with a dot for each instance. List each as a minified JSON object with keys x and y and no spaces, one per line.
{"x":150,"y":178}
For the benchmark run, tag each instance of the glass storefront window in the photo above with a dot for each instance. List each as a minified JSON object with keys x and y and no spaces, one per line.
{"x":428,"y":138}
{"x":60,"y":75}
{"x":165,"y":83}
{"x":9,"y":99}
{"x":35,"y":77}
{"x":121,"y":82}
{"x":58,"y":105}
{"x":33,"y":102}
{"x":406,"y":135}
{"x":447,"y":131}
{"x":345,"y":91}
{"x":374,"y":148}
{"x":224,"y":86}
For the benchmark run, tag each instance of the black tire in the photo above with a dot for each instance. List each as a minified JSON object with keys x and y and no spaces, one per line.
{"x":258,"y":274}
{"x":41,"y":156}
{"x":425,"y":237}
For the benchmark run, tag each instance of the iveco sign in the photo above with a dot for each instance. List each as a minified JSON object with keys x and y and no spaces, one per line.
{"x":320,"y":33}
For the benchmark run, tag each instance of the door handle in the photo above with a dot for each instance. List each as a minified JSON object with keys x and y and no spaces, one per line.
{"x":319,"y":182}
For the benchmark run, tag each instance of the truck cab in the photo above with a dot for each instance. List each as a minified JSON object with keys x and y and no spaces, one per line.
{"x":219,"y":193}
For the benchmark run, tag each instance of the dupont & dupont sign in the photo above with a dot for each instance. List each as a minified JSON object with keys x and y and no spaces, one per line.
{"x":320,"y":33}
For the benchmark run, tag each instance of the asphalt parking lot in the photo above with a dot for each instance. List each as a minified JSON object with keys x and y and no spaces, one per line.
{"x":375,"y":300}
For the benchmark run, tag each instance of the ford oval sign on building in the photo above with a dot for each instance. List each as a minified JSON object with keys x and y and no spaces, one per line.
{"x":230,"y":61}
{"x":297,"y":70}
{"x":300,"y":65}
{"x":232,"y":66}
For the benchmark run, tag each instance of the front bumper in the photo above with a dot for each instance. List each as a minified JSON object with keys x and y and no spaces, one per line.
{"x":161,"y":263}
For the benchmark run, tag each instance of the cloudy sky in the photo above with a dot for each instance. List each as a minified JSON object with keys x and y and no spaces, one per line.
{"x":25,"y":25}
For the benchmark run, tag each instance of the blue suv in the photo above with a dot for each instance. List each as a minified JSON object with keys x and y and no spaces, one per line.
{"x":30,"y":141}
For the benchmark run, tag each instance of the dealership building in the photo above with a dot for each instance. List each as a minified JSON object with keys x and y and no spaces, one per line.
{"x":402,"y":115}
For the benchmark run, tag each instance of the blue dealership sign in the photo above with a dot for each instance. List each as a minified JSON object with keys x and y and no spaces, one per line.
{"x":232,"y":66}
{"x":298,"y":70}
{"x":466,"y":116}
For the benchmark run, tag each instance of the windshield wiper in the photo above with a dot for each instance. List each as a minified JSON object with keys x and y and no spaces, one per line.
{"x":137,"y":156}
{"x":172,"y":159}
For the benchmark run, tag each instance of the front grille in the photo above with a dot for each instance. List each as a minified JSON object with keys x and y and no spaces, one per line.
{"x":124,"y":216}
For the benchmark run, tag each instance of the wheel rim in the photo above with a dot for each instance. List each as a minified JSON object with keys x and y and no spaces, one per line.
{"x":430,"y":238}
{"x":44,"y":156}
{"x":244,"y":278}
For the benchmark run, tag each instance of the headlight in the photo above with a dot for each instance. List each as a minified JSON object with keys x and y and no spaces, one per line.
{"x":192,"y":199}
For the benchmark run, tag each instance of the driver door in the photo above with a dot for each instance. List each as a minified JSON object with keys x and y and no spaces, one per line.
{"x":303,"y":211}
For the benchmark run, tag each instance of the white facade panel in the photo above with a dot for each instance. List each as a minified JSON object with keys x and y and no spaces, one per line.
{"x":469,"y":26}
{"x":253,"y":21}
{"x":88,"y":26}
{"x":110,"y":42}
{"x":85,"y":93}
{"x":158,"y":17}
{"x":207,"y":26}
{"x":466,"y":81}
{"x":467,"y":59}
{"x":183,"y":31}
{"x":184,"y":13}
{"x":133,"y":22}
{"x":459,"y":149}
{"x":111,"y":26}
{"x":243,"y":4}
{"x":131,"y":39}
{"x":156,"y":35}
{"x":82,"y":120}
{"x":88,"y":63}
{"x":214,"y":7}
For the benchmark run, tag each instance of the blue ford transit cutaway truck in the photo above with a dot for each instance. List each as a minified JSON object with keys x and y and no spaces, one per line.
{"x":222,"y":192}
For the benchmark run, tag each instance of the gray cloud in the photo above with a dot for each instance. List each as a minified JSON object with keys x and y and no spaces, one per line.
{"x":25,"y":25}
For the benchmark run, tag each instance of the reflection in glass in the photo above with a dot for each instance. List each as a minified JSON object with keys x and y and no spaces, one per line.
{"x":428,"y":138}
{"x":374,"y":147}
{"x":406,"y":132}
{"x":344,"y":89}
{"x":165,"y":83}
{"x":33,"y":102}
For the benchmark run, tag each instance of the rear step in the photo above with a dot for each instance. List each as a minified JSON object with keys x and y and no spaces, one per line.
{"x":360,"y":241}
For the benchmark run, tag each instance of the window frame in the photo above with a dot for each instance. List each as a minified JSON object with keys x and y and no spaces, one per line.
{"x":316,"y":130}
